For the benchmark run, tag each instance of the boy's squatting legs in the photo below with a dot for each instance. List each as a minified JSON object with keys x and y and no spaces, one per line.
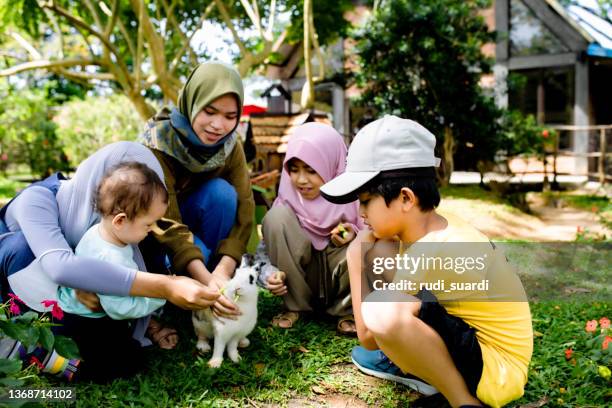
{"x":415,"y":347}
{"x":411,"y":344}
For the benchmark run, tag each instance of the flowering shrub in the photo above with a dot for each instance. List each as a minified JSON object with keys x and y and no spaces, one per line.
{"x":585,"y":235}
{"x":595,"y":355}
{"x":32,"y":330}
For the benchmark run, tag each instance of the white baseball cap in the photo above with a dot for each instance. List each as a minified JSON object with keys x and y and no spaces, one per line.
{"x":389,"y":143}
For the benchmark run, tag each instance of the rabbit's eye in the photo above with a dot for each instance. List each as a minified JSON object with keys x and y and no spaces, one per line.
{"x":251,"y":279}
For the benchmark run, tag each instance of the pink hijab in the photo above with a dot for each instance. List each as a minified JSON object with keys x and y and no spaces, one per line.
{"x":322,"y":148}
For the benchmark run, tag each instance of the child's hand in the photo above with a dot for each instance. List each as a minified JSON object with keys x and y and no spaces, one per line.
{"x":276,"y":283}
{"x":223,"y":307}
{"x":342,"y":234}
{"x":89,"y":299}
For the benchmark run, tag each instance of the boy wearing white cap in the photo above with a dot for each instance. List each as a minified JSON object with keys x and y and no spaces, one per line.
{"x":470,"y":343}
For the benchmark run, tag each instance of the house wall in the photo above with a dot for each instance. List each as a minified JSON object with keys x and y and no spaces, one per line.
{"x":572,"y":57}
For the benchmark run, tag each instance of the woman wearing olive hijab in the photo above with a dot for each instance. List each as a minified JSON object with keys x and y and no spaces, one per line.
{"x":210,"y":212}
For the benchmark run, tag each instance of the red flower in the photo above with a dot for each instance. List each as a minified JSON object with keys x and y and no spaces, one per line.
{"x":15,"y":297}
{"x":48,"y":303}
{"x":13,"y":308}
{"x":34,"y":360}
{"x":591,"y":326}
{"x":56,"y":311}
{"x":568,"y":353}
{"x":545,"y":133}
{"x":605,"y":343}
{"x":579,"y":229}
{"x":604,"y":322}
{"x":4,"y":157}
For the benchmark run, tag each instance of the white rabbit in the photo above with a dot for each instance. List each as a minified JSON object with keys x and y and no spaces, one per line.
{"x":242,"y":289}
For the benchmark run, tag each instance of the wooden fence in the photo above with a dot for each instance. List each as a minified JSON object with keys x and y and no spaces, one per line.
{"x":603,"y":131}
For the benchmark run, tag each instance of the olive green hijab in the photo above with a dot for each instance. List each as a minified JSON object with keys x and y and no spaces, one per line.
{"x":170,"y":130}
{"x":206,"y":83}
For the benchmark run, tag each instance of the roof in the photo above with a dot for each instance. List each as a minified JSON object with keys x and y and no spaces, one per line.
{"x":278,"y":87}
{"x":587,"y":18}
{"x":271,"y":132}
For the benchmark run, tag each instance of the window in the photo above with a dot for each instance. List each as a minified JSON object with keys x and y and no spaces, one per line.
{"x":528,"y":35}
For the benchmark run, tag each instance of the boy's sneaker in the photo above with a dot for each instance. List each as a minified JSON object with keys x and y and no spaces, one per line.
{"x":377,"y":364}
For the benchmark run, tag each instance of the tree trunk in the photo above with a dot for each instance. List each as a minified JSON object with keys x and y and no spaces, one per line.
{"x":144,"y":109}
{"x":307,"y":100}
{"x":448,"y":164}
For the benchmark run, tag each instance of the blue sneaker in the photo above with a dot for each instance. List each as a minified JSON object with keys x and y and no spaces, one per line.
{"x":377,"y":364}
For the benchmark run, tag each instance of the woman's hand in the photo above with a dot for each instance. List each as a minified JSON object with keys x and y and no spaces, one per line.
{"x":342,"y":234}
{"x":189,"y":294}
{"x":89,"y":299}
{"x":276,"y":283}
{"x":223,"y":307}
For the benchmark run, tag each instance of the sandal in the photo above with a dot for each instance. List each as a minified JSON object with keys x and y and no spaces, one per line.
{"x":346,"y":326}
{"x":285,"y":320}
{"x":161,"y":335}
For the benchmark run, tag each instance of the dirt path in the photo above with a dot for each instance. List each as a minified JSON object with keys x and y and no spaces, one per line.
{"x":546,"y":223}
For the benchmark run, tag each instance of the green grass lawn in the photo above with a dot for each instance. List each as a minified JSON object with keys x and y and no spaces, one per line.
{"x":310,"y":365}
{"x":8,"y":189}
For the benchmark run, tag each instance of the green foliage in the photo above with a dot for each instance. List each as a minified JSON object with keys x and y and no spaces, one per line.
{"x":553,"y":377}
{"x":21,"y":13}
{"x":8,"y":189}
{"x":31,"y":329}
{"x":59,"y":90}
{"x":328,"y":17}
{"x":27,"y":135}
{"x":522,"y":134}
{"x":86,"y":125}
{"x":423,"y":60}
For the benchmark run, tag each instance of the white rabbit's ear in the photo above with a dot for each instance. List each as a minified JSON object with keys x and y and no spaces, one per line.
{"x":247,"y":260}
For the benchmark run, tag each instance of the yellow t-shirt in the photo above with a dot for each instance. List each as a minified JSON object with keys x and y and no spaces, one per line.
{"x":472,"y":279}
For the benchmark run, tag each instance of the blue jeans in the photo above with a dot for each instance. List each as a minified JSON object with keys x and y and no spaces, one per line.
{"x":15,"y":254}
{"x":210,"y":214}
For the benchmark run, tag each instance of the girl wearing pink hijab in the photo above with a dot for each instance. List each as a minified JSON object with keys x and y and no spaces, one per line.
{"x":307,"y":236}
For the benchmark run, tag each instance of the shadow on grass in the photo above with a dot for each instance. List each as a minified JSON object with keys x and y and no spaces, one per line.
{"x":563,"y":271}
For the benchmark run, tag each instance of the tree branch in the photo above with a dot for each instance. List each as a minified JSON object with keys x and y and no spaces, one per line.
{"x":252,"y":14}
{"x":127,"y":37}
{"x":47,"y":64}
{"x":86,"y":40}
{"x":27,"y":46}
{"x":168,"y":84}
{"x":317,"y":48}
{"x":187,"y":40}
{"x":94,"y":14}
{"x":228,"y":21}
{"x":139,"y":46}
{"x":125,"y":78}
{"x":184,"y":37}
{"x":112,"y":18}
{"x":269,"y":32}
{"x":58,"y":29}
{"x":10,"y":55}
{"x":307,"y":99}
{"x":86,"y":76}
{"x":257,"y":17}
